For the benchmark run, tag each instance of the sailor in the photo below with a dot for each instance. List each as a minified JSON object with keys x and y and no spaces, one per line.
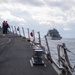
{"x":5,"y":27}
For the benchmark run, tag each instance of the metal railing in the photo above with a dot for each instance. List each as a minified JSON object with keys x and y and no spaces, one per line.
{"x":65,"y":62}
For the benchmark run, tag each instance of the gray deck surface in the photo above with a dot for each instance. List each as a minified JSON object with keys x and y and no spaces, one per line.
{"x":15,"y":58}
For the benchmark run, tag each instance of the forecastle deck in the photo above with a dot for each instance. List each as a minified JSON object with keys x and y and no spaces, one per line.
{"x":15,"y":55}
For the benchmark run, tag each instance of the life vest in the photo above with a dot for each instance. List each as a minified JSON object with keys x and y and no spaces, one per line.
{"x":5,"y":24}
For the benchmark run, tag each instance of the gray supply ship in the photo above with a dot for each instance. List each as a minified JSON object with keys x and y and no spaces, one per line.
{"x":54,"y":34}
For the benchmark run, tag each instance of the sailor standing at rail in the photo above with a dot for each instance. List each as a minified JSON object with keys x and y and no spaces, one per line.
{"x":5,"y":27}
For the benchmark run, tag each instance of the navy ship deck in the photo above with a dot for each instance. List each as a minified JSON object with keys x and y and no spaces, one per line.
{"x":15,"y":55}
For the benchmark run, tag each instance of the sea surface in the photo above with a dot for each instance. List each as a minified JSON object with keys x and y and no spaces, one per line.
{"x":70,"y":44}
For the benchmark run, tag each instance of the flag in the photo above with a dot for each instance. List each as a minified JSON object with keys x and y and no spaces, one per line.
{"x":31,"y":34}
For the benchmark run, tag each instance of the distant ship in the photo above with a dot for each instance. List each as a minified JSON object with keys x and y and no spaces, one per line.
{"x":54,"y":34}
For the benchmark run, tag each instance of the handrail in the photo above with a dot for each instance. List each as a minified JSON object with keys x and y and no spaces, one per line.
{"x":65,"y":61}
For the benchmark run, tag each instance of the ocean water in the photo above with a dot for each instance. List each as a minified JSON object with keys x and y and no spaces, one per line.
{"x":70,"y":44}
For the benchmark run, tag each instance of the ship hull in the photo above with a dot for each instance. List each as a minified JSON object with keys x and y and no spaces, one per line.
{"x":56,"y":38}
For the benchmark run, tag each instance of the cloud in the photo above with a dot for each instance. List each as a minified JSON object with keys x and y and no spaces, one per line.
{"x":63,"y":4}
{"x":67,"y":29}
{"x":43,"y":15}
{"x":46,"y":15}
{"x":29,"y":2}
{"x":32,"y":2}
{"x":3,"y":1}
{"x":51,"y":13}
{"x":8,"y":16}
{"x":13,"y":7}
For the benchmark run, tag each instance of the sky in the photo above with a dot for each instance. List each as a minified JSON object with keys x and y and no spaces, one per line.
{"x":40,"y":15}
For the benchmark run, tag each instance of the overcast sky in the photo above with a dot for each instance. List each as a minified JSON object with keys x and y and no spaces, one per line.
{"x":40,"y":15}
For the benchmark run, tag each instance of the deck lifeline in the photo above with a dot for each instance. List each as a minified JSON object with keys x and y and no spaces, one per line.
{"x":15,"y":58}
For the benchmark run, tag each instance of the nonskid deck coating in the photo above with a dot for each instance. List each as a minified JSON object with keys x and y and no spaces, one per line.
{"x":15,"y":59}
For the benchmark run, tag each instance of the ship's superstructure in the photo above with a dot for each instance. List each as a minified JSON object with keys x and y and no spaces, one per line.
{"x":54,"y":34}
